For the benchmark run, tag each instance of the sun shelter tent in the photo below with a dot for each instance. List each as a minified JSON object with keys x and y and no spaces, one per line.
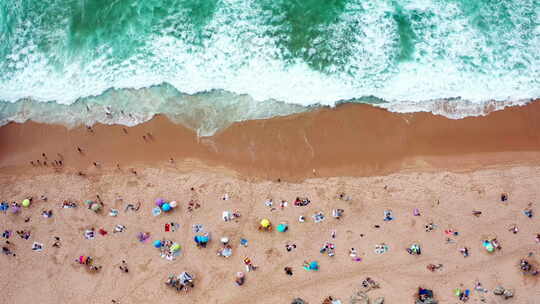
{"x":227,"y":216}
{"x":185,"y":279}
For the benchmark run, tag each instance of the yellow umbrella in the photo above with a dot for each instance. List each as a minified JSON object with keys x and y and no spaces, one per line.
{"x":26,"y":202}
{"x":265,"y":223}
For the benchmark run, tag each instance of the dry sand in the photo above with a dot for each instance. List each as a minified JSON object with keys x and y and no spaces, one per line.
{"x":52,"y":277}
{"x":422,"y":159}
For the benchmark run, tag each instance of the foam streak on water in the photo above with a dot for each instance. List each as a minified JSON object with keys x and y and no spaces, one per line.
{"x":208,"y":63}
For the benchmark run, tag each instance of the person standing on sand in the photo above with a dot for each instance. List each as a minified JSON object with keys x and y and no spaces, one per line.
{"x":57,"y":242}
{"x":288,"y":271}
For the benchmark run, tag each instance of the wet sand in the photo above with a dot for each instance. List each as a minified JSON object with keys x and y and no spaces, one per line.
{"x":382,"y":160}
{"x":350,"y":140}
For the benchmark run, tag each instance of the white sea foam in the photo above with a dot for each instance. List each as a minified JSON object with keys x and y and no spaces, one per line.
{"x":239,"y":57}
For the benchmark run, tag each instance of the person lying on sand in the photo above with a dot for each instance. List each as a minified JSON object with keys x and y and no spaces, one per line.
{"x":124,"y":267}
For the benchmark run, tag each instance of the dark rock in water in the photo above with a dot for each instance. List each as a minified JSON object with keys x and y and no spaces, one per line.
{"x":298,"y":301}
{"x":499,"y":290}
{"x":379,"y":300}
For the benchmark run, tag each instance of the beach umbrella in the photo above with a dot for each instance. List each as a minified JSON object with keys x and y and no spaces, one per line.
{"x":224,"y":240}
{"x":314,"y":265}
{"x":157,"y":244}
{"x":26,"y":202}
{"x":265,"y":223}
{"x":173,"y":204}
{"x":282,"y":227}
{"x":175,"y":247}
{"x":94,"y":207}
{"x":160,"y":202}
{"x":156,"y":211}
{"x":166,"y":207}
{"x":239,"y":274}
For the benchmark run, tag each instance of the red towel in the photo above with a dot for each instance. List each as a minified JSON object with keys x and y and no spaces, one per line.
{"x":102,"y":231}
{"x":167,"y":227}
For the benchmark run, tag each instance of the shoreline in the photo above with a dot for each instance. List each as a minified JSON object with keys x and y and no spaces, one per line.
{"x":348,"y":140}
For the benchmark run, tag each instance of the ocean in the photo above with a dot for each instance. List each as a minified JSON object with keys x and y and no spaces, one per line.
{"x":209,"y":63}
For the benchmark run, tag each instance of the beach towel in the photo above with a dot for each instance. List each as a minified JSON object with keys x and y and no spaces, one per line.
{"x":489,"y":247}
{"x":83,"y":259}
{"x":156,"y":211}
{"x":37,"y":246}
{"x":388,"y":215}
{"x":318,"y":217}
{"x":119,"y":228}
{"x":89,"y":234}
{"x":143,"y":236}
{"x":227,"y":216}
{"x":226,"y":252}
{"x":381,"y":248}
{"x":197,"y":228}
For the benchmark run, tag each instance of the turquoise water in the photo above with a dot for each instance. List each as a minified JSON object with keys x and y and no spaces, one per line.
{"x":253,"y":59}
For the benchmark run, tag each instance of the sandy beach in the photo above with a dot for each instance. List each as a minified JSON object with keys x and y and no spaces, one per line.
{"x":380,"y":160}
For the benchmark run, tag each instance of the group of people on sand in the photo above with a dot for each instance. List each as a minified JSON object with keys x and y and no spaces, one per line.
{"x":185,"y":280}
{"x":44,"y":161}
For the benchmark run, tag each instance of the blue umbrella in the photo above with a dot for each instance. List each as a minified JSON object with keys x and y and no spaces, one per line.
{"x":282,"y":227}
